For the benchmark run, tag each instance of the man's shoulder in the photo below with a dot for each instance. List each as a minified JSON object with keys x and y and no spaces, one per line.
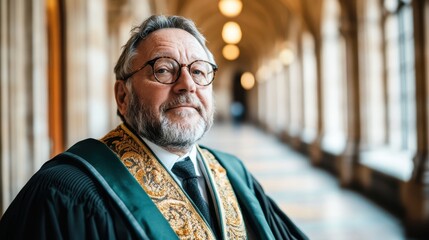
{"x":68,"y":172}
{"x":59,"y":185}
{"x":67,"y":177}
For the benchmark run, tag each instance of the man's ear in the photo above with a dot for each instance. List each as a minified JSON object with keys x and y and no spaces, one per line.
{"x":122,"y":96}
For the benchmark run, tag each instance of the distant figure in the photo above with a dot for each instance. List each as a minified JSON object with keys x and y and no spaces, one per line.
{"x":237,"y":112}
{"x":148,"y":178}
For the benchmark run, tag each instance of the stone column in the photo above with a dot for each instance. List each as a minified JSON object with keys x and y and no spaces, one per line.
{"x":88,"y":80}
{"x":24,"y":136}
{"x":349,"y":30}
{"x":415,"y":192}
{"x":315,"y":147}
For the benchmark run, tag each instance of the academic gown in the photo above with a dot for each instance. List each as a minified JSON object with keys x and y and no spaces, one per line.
{"x":80,"y":195}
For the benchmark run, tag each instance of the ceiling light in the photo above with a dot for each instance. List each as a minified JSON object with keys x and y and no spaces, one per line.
{"x":230,"y":8}
{"x":247,"y":80}
{"x":230,"y":52}
{"x":231,"y":33}
{"x":287,"y":56}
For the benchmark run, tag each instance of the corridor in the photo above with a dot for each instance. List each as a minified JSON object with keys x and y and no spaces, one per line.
{"x":346,"y":82}
{"x":310,"y":196}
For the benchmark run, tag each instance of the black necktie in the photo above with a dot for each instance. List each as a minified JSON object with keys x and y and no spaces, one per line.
{"x":185,"y":170}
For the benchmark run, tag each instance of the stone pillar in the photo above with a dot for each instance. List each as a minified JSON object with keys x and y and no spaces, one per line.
{"x":315,"y":147}
{"x":349,"y":30}
{"x":421,"y":43}
{"x":24,"y":142}
{"x":88,"y":79}
{"x":415,"y":193}
{"x":76,"y":71}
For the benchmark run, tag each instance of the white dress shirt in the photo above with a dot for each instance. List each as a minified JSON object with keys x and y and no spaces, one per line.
{"x":168,"y":159}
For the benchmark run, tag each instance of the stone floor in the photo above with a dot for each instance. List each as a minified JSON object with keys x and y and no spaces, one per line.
{"x":310,"y":196}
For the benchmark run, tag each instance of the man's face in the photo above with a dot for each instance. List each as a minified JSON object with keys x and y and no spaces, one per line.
{"x":176,"y":115}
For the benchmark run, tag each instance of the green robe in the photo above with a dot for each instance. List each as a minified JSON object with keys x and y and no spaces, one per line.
{"x":80,"y":195}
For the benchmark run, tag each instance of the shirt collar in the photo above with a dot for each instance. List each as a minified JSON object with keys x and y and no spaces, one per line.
{"x":168,"y":159}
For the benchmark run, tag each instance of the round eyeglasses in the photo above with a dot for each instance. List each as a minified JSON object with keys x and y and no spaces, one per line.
{"x":167,"y":70}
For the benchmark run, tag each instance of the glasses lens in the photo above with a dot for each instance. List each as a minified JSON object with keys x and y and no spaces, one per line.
{"x":202,"y":72}
{"x":165,"y":70}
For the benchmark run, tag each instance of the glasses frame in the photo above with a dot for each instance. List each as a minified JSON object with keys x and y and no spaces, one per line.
{"x":151,"y":63}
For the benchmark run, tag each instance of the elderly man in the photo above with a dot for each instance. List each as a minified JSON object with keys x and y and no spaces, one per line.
{"x":148,"y":179}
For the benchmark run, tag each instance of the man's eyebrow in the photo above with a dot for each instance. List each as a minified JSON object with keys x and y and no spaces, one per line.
{"x":163,"y":54}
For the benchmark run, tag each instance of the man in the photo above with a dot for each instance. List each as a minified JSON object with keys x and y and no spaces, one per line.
{"x":148,"y":179}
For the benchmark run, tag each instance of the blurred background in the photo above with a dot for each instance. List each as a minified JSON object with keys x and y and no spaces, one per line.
{"x":336,"y":87}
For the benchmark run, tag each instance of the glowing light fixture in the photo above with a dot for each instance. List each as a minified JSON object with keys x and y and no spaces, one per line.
{"x":230,"y":8}
{"x":231,"y":33}
{"x":247,"y":80}
{"x":230,"y":52}
{"x":286,"y":56}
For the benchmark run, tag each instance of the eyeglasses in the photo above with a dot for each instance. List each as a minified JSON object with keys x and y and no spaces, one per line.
{"x":167,"y":70}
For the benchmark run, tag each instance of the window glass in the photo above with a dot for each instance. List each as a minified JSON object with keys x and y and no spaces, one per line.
{"x":388,"y":98}
{"x":398,"y":27}
{"x":309,"y":87}
{"x":333,"y":80}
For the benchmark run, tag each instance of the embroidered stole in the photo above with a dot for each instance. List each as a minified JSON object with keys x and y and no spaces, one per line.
{"x":170,"y":198}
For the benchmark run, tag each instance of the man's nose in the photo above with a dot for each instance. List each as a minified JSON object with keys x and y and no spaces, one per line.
{"x":185,"y":83}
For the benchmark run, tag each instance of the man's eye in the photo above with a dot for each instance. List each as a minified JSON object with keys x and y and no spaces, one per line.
{"x":163,"y":71}
{"x":197,"y":72}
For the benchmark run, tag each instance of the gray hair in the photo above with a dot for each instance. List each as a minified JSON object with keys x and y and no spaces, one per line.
{"x":153,"y":23}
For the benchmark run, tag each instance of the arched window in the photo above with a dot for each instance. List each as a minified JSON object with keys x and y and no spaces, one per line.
{"x":333,"y":80}
{"x":295,"y":99}
{"x":271,"y":95}
{"x":281,"y":95}
{"x":309,"y":77}
{"x":388,"y":98}
{"x":398,"y":30}
{"x":265,"y":103}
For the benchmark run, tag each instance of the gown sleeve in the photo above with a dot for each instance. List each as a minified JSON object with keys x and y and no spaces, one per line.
{"x":61,"y":202}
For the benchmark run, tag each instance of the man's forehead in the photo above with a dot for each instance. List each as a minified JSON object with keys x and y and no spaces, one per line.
{"x":172,"y":35}
{"x":172,"y":39}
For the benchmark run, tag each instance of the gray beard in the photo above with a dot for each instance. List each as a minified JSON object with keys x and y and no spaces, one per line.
{"x":163,"y":132}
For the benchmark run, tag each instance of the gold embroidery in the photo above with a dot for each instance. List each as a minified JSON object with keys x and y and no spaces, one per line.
{"x":234,"y":224}
{"x":166,"y":193}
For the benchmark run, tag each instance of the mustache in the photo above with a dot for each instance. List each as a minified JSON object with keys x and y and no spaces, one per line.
{"x":185,"y":99}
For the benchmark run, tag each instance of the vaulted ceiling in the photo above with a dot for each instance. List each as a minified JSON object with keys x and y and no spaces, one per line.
{"x":265,"y":24}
